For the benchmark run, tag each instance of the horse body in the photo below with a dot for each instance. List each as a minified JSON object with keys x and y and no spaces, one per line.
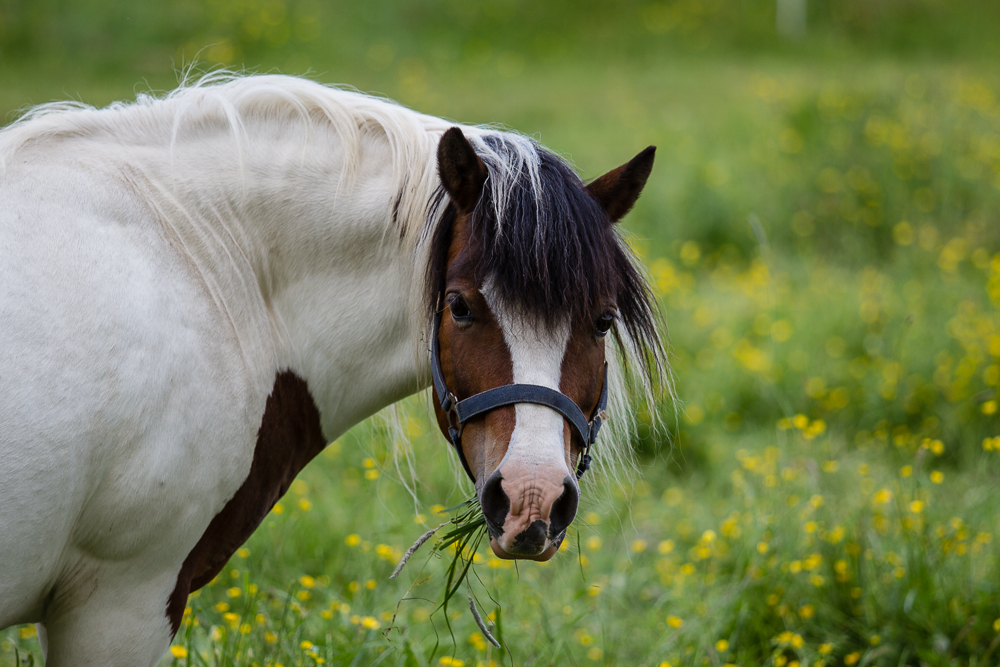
{"x":151,"y":309}
{"x":188,"y":315}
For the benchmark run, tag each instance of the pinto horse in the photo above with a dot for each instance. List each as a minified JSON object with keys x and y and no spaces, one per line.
{"x":200,"y":291}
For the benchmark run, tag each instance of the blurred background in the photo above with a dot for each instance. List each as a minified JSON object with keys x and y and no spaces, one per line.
{"x":822,"y":229}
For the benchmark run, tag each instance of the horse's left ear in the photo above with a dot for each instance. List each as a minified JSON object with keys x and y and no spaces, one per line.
{"x":618,"y":190}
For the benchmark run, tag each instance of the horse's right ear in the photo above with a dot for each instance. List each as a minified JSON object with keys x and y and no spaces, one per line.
{"x":462,"y":172}
{"x":618,"y":190}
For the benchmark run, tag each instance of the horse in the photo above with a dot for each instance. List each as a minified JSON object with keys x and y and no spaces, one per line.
{"x":202,"y":289}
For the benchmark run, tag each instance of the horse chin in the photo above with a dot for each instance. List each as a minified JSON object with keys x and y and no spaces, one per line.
{"x":545,"y":555}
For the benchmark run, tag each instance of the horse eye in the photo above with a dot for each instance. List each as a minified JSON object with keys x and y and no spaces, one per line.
{"x":460,"y":310}
{"x":603,"y":324}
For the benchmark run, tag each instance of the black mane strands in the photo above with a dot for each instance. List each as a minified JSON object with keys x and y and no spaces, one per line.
{"x":548,"y":249}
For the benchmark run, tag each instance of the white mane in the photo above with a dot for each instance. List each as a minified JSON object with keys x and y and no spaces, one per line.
{"x":226,"y":98}
{"x":229,"y":101}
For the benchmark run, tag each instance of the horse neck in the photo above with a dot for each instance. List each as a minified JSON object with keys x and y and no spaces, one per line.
{"x":320,"y":281}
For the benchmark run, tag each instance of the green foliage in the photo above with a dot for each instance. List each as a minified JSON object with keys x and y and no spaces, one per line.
{"x":152,"y":38}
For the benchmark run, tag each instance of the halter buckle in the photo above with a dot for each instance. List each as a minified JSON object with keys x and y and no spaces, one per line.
{"x":450,"y":407}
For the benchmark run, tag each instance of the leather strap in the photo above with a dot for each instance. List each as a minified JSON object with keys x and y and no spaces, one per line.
{"x":461,"y":411}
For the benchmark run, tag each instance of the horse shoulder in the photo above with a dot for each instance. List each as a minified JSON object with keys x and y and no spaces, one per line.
{"x":289,"y":437}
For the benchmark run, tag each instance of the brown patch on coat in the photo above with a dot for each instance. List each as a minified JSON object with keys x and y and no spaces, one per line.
{"x":474,"y":359}
{"x":289,"y":437}
{"x":582,"y":377}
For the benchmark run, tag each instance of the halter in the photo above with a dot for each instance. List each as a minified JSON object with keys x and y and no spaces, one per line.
{"x":461,"y":411}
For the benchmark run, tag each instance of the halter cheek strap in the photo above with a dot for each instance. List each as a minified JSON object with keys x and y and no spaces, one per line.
{"x":459,"y":412}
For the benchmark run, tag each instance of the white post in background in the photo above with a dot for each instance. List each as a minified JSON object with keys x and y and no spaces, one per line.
{"x":791,"y":18}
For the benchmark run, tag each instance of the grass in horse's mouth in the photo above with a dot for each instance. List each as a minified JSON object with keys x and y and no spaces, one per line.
{"x":468,"y":528}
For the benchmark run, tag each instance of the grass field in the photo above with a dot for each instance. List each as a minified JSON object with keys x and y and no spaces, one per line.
{"x":822,"y":229}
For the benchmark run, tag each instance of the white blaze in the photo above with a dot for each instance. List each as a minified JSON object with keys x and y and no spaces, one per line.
{"x":536,"y":354}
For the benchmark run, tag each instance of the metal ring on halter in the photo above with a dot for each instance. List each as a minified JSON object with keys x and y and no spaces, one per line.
{"x":510,"y":394}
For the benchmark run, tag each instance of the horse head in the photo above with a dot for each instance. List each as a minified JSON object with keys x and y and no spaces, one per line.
{"x":527,"y":279}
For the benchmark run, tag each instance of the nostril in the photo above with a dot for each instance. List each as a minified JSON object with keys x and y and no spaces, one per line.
{"x":564,"y":508}
{"x":494,"y":502}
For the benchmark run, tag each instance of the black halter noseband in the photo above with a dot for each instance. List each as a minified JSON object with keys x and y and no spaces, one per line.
{"x":461,"y":411}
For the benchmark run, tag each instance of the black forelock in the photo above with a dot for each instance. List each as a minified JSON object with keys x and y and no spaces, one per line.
{"x":554,"y":253}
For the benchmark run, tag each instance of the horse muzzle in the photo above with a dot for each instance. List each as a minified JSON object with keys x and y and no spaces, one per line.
{"x":528,"y":521}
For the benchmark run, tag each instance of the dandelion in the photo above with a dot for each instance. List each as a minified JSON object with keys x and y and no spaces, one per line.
{"x":792,"y":639}
{"x":721,"y":646}
{"x":352,"y":540}
{"x":937,"y":476}
{"x":477,"y":641}
{"x":234,"y":592}
{"x":825,"y":648}
{"x":814,"y":429}
{"x":178,"y":651}
{"x":674,"y":622}
{"x":883,"y":496}
{"x":916,"y":506}
{"x":370,"y":623}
